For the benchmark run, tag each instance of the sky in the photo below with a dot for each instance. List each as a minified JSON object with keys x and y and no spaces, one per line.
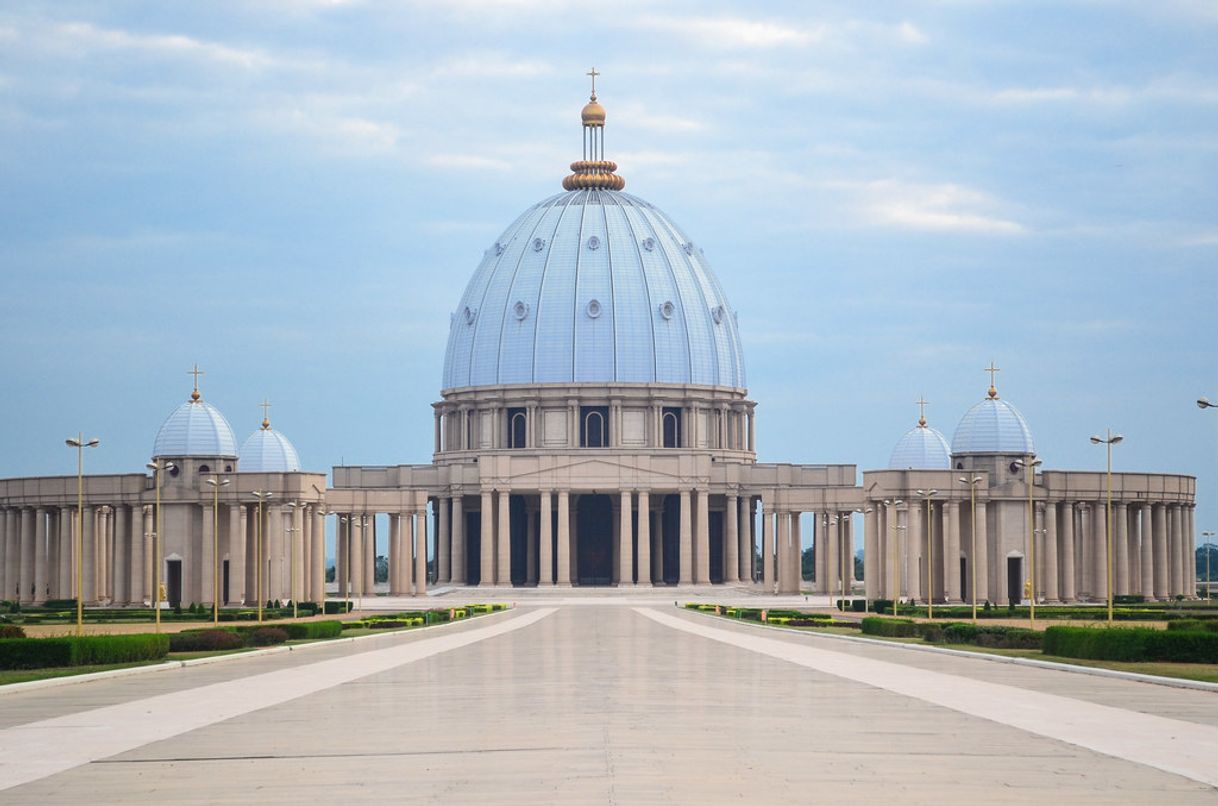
{"x":293,"y":194}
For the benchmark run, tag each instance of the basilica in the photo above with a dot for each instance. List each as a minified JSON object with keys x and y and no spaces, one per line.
{"x":594,"y":428}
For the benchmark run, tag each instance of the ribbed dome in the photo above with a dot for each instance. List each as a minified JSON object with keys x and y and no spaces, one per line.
{"x":196,"y":428}
{"x":593,"y":286}
{"x":922,"y":448}
{"x":993,"y":426}
{"x":268,"y":451}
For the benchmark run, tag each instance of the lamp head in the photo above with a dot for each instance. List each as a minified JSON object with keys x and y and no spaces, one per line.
{"x":93,"y":443}
{"x":72,"y":443}
{"x":1204,"y":403}
{"x":1096,"y":440}
{"x":1115,"y":438}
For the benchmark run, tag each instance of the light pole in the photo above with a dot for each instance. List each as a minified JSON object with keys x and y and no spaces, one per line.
{"x":1029,"y":465}
{"x":215,"y":483}
{"x":291,"y":507}
{"x":1209,"y":580}
{"x":894,"y":548}
{"x":926,"y":495}
{"x":345,"y":584}
{"x":972,"y":482}
{"x":1204,"y":403}
{"x":158,"y":470}
{"x":261,"y":495}
{"x":79,"y":443}
{"x":831,"y":520}
{"x":1109,"y":440}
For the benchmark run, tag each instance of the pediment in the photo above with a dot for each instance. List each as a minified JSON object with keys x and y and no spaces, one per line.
{"x":605,"y":470}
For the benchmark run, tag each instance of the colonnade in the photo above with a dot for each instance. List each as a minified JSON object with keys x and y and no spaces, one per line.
{"x":832,"y":545}
{"x":1153,"y":550}
{"x":355,"y":554}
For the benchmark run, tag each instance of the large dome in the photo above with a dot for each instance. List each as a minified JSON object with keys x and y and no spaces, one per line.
{"x":268,"y":451}
{"x":196,"y":428}
{"x":993,"y":426}
{"x":593,"y":286}
{"x":922,"y":448}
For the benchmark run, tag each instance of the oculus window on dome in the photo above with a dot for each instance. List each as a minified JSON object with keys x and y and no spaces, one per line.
{"x":517,"y":324}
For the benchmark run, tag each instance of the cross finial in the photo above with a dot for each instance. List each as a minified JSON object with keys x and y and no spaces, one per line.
{"x":196,"y":372}
{"x":594,"y":74}
{"x":921,"y":401}
{"x":265,"y":405}
{"x":993,"y":370}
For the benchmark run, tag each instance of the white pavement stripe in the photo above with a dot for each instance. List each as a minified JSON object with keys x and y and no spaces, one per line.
{"x":1171,"y":745}
{"x":38,"y":749}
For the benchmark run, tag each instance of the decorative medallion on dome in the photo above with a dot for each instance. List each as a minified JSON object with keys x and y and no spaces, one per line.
{"x":649,"y":244}
{"x":593,"y":171}
{"x":539,"y":244}
{"x":667,"y":309}
{"x":499,"y":248}
{"x":520,"y":309}
{"x":594,"y":309}
{"x":717,"y":314}
{"x":470,"y":315}
{"x":594,"y":243}
{"x":688,"y":247}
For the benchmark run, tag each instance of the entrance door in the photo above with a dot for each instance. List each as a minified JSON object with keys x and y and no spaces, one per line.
{"x":715,"y":533}
{"x":174,"y":583}
{"x":225,"y":581}
{"x":965,"y":582}
{"x":473,"y":548}
{"x":594,"y":528}
{"x":1014,"y":580}
{"x":670,"y":531}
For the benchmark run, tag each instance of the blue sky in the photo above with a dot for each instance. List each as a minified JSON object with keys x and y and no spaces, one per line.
{"x":293,"y":194}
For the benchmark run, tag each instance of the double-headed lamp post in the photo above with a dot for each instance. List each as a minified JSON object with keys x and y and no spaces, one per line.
{"x":261,"y":495}
{"x":1204,"y":403}
{"x":158,"y":468}
{"x":344,"y":585}
{"x":291,"y":507}
{"x":972,"y":482}
{"x":215,"y":482}
{"x":80,"y":443}
{"x":926,"y":495}
{"x":1209,"y":580}
{"x":1109,"y":440}
{"x":894,"y":548}
{"x":1029,"y":465}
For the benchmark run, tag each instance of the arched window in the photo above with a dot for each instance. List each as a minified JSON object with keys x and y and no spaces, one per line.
{"x":518,"y":423}
{"x":594,"y":432}
{"x":672,"y":428}
{"x":470,"y":419}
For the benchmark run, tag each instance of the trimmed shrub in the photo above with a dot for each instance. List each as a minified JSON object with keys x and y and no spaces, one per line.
{"x":809,"y":622}
{"x":267,"y":636}
{"x":205,"y":641}
{"x":11,"y":631}
{"x":1193,"y":625}
{"x":991,"y":636}
{"x":38,"y":653}
{"x":889,"y":627}
{"x":334,"y":606}
{"x":388,"y":624}
{"x":314,"y":629}
{"x":1098,"y":643}
{"x":59,"y":604}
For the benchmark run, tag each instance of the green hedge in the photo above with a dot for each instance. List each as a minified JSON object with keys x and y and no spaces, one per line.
{"x":334,"y":606}
{"x":889,"y":627}
{"x":314,"y":629}
{"x":1193,"y":624}
{"x":990,"y":636}
{"x":205,"y":641}
{"x":1132,"y":644}
{"x":11,"y":631}
{"x":39,"y":653}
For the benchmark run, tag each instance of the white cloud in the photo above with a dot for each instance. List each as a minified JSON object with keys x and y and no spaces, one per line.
{"x":733,"y":32}
{"x":928,"y":207}
{"x":908,"y":32}
{"x":90,"y":37}
{"x":471,"y":162}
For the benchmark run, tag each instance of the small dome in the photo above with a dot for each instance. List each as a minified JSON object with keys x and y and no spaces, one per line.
{"x":195,"y":428}
{"x":593,"y":113}
{"x":268,"y":451}
{"x":993,"y":426}
{"x":922,"y":448}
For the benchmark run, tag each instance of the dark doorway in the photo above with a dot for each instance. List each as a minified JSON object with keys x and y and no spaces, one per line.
{"x":519,"y":525}
{"x":670,"y":530}
{"x":715,"y":524}
{"x":966,"y":584}
{"x":225,"y":588}
{"x":173,"y":583}
{"x":473,"y":548}
{"x":594,"y":526}
{"x":1014,"y":580}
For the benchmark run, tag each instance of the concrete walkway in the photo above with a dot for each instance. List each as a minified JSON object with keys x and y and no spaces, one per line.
{"x":606,"y":703}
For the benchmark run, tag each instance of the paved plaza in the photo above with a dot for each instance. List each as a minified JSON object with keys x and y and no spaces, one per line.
{"x":613,"y":699}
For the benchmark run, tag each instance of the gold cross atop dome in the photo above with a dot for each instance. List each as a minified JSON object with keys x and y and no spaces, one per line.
{"x":194,"y":396}
{"x":265,"y":405}
{"x":594,"y":74}
{"x":921,"y":401}
{"x":593,"y":172}
{"x":993,"y":370}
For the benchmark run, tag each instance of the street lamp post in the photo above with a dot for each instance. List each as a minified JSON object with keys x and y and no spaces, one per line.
{"x":1029,"y":465}
{"x":1108,"y":441}
{"x":930,"y":554}
{"x":158,"y":468}
{"x":895,"y":550}
{"x":972,"y":482}
{"x":79,"y":443}
{"x":261,"y":495}
{"x":1204,"y":403}
{"x":344,"y":585}
{"x":215,"y":483}
{"x":1209,"y":580}
{"x":292,"y":505}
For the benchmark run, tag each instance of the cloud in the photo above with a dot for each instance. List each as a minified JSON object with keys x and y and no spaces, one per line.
{"x":83,"y":35}
{"x":908,"y":32}
{"x":471,"y":162}
{"x":941,"y":207}
{"x":733,"y":32}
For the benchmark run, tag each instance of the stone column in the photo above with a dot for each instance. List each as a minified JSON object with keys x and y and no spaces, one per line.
{"x":53,"y":553}
{"x":1146,"y":561}
{"x":486,"y":563}
{"x":370,"y":553}
{"x":1051,"y":586}
{"x":419,"y":528}
{"x":531,"y":539}
{"x":702,"y":537}
{"x":644,"y":538}
{"x":1157,"y":516}
{"x":871,"y":551}
{"x":317,"y":569}
{"x":782,"y":551}
{"x":121,"y":589}
{"x":983,"y":552}
{"x":40,"y":555}
{"x":731,"y":541}
{"x":236,"y":555}
{"x":1099,"y":538}
{"x":89,"y":555}
{"x":358,"y":564}
{"x":915,"y":550}
{"x":563,"y":555}
{"x":767,"y":547}
{"x":951,"y":552}
{"x":443,"y":557}
{"x":395,"y":554}
{"x":1190,"y":540}
{"x":62,"y":565}
{"x":687,"y":541}
{"x":1176,"y":547}
{"x":458,"y":562}
{"x":827,"y":552}
{"x":545,"y":540}
{"x":10,"y":568}
{"x":503,"y":572}
{"x":625,"y":535}
{"x":1120,"y":547}
{"x":744,"y":537}
{"x":1069,"y":580}
{"x":797,"y":551}
{"x":204,"y":558}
